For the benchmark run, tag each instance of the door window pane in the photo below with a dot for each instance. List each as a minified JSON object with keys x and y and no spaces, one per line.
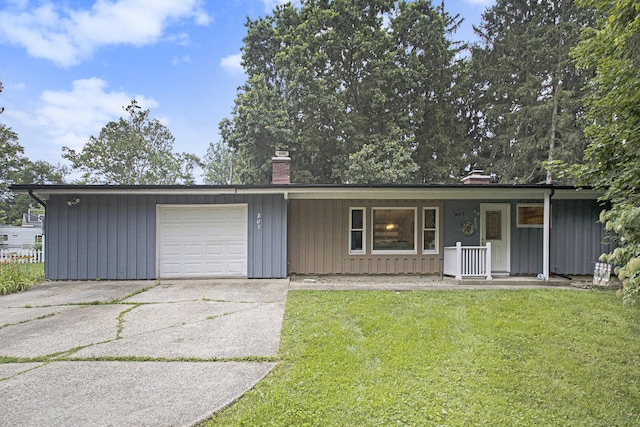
{"x":494,"y":225}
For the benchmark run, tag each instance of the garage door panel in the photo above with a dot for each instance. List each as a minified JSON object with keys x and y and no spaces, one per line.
{"x":202,"y":241}
{"x":233,"y":249}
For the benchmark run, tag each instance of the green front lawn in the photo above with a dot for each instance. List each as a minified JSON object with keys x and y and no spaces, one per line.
{"x":454,"y":358}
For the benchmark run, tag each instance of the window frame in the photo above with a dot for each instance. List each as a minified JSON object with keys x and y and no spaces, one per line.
{"x":529,"y":205}
{"x":363,"y":230}
{"x":413,"y":251}
{"x":4,"y":237}
{"x":436,"y":230}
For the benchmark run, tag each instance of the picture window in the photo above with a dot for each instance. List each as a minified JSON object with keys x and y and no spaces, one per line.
{"x":394,"y":231}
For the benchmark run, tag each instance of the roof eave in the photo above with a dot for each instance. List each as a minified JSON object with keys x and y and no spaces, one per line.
{"x":328,"y":191}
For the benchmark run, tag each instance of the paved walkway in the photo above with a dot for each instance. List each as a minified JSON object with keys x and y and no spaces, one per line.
{"x":416,"y":283}
{"x":134,"y":353}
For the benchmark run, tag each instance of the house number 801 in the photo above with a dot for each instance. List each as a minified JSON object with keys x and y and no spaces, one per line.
{"x":259,"y":220}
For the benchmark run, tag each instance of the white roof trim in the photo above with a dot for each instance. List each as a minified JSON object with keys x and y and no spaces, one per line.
{"x":461,"y":192}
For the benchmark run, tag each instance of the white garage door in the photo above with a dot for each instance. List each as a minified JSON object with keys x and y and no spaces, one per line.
{"x":202,"y":241}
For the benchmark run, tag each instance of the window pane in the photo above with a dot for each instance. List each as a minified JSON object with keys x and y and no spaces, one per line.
{"x":430,"y":240}
{"x":356,"y":240}
{"x":429,"y":218}
{"x":356,"y":219}
{"x":393,"y":229}
{"x":530,"y":215}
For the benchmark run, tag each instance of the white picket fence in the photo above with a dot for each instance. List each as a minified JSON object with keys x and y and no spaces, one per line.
{"x":21,"y":256}
{"x":467,"y":261}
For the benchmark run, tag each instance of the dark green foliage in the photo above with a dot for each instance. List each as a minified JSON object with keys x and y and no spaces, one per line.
{"x":330,"y":78}
{"x":612,"y":159}
{"x":527,"y":93}
{"x":15,"y":168}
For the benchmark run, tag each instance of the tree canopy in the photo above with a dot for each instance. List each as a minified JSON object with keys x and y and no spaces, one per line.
{"x":612,"y":159}
{"x":16,"y":168}
{"x":133,"y":150}
{"x":527,"y":93}
{"x":330,"y":80}
{"x":218,"y":164}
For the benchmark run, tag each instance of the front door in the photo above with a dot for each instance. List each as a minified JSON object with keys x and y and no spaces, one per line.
{"x":495,"y":225}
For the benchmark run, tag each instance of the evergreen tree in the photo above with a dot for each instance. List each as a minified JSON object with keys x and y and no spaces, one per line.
{"x":528,"y":94}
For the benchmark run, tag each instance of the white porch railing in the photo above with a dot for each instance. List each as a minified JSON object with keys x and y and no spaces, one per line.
{"x":21,"y":256}
{"x":467,"y":261}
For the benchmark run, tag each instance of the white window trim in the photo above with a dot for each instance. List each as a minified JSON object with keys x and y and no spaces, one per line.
{"x":528,"y":205}
{"x":363,"y":251}
{"x":437,"y":230}
{"x":415,"y":232}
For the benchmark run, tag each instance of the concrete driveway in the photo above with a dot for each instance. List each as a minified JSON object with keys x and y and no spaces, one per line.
{"x":138,"y":353}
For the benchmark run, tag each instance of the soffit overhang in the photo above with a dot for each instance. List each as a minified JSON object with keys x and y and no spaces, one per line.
{"x":327,"y":192}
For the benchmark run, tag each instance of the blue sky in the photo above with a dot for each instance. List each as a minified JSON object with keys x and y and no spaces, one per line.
{"x":69,"y":66}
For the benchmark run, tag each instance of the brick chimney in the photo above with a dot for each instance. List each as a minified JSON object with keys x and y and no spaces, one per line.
{"x":477,"y":177}
{"x":281,"y":165}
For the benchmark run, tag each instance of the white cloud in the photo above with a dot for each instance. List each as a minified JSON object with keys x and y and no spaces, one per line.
{"x":71,"y":117}
{"x":232,"y":64}
{"x":66,"y":36}
{"x":186,"y":59}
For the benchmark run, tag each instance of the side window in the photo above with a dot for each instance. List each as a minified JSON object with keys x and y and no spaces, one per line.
{"x":357,"y":231}
{"x":430,"y":231}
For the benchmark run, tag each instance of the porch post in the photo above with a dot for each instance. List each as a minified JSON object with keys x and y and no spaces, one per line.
{"x":458,"y":260}
{"x":546,"y":235}
{"x":488,"y":260}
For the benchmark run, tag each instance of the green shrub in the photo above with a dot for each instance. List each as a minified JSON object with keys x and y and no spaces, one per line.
{"x":16,"y":277}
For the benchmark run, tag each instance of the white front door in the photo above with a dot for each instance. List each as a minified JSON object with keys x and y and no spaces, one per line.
{"x":495,"y":225}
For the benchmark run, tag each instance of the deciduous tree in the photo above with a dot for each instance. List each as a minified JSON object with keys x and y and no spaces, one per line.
{"x":332,"y":81}
{"x":218,"y":164}
{"x":133,"y":150}
{"x":611,"y":160}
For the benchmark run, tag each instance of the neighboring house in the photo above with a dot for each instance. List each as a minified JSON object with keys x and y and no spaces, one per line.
{"x":16,"y":237}
{"x":271,"y":231}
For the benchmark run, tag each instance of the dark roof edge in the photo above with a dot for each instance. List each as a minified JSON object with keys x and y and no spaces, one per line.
{"x":285,"y":187}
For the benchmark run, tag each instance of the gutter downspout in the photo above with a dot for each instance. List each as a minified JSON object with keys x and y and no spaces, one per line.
{"x":546,"y":237}
{"x":44,"y":226}
{"x":37,"y":199}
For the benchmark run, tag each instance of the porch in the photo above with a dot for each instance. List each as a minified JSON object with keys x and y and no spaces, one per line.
{"x":468,"y":261}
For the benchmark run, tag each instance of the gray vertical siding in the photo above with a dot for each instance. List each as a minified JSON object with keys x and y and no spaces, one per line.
{"x":577,"y":238}
{"x":455,"y":213}
{"x":114,"y":236}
